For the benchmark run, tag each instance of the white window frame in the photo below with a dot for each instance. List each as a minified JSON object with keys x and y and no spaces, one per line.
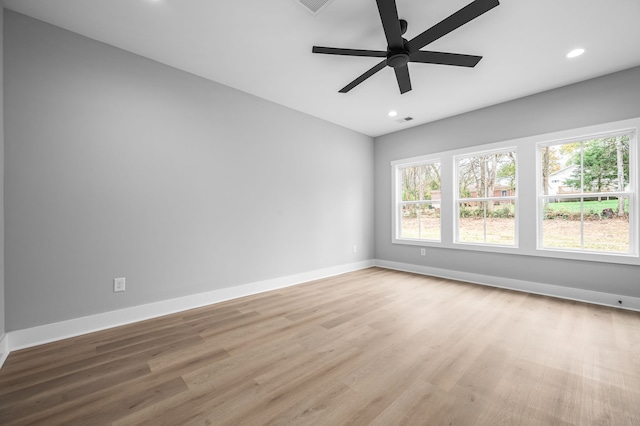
{"x":631,"y":193}
{"x":528,"y":213}
{"x":458,"y":199}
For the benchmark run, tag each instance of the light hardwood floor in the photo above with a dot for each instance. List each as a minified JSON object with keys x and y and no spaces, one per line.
{"x":371,"y":347}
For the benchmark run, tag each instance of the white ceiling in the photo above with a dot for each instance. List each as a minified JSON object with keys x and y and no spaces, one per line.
{"x":264,"y":48}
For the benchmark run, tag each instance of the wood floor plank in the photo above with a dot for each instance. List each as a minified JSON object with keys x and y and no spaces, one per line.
{"x":374,"y":346}
{"x":76,"y":379}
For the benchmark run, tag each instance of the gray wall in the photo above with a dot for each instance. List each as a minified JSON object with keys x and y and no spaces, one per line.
{"x":121,"y":166}
{"x":2,"y":309}
{"x":605,"y":99}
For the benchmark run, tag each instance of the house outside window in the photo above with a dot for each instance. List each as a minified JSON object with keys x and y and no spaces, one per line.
{"x":585,"y":197}
{"x":486,"y":198}
{"x":571,"y":194}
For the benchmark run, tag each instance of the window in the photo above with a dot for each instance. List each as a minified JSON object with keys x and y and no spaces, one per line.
{"x":486,"y":198}
{"x":419,"y":201}
{"x":571,"y":194}
{"x":585,"y":194}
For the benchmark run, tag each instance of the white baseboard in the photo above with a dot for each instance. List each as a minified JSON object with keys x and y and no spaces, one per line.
{"x":4,"y":349}
{"x":20,"y":339}
{"x":595,"y":297}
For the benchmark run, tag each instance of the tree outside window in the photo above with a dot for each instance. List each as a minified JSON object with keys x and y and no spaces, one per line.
{"x":486,"y":201}
{"x":420,"y":201}
{"x":586,"y":203}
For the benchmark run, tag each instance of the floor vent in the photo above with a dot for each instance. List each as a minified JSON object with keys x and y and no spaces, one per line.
{"x":314,"y":6}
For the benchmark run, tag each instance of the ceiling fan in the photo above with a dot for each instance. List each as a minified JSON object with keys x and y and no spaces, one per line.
{"x":401,"y":51}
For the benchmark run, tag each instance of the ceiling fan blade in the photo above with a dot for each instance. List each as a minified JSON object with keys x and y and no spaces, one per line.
{"x":364,"y":76}
{"x":404,"y":81}
{"x":391,"y":24}
{"x":458,"y":19}
{"x":349,"y":52}
{"x":443,"y":58}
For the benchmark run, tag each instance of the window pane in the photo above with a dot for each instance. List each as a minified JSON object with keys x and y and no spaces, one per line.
{"x":471,"y":222}
{"x":490,"y":222}
{"x":596,"y":224}
{"x":409,"y":227}
{"x":429,"y":222}
{"x":411,"y":183}
{"x":557,"y":169}
{"x":420,"y":222}
{"x":505,"y":182}
{"x":606,"y":225}
{"x":501,"y":223}
{"x":418,"y":182}
{"x":589,"y":166}
{"x":432,"y":171}
{"x":491,"y":175}
{"x":605,"y":164}
{"x":470,"y":177}
{"x":561,"y":224}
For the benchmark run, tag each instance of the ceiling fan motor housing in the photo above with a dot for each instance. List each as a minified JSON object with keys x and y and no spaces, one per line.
{"x":398,"y":58}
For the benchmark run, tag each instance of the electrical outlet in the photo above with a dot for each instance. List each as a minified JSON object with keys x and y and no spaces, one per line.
{"x":423,"y":252}
{"x":355,"y":249}
{"x":118,"y":284}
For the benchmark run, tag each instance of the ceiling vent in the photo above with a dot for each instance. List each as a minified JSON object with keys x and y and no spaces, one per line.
{"x":314,"y":6}
{"x":404,"y":120}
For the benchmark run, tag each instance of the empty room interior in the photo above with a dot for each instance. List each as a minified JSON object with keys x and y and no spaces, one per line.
{"x":389,"y":212}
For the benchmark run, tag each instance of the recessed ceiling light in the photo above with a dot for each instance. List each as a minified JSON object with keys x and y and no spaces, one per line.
{"x":575,"y":52}
{"x":393,"y":113}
